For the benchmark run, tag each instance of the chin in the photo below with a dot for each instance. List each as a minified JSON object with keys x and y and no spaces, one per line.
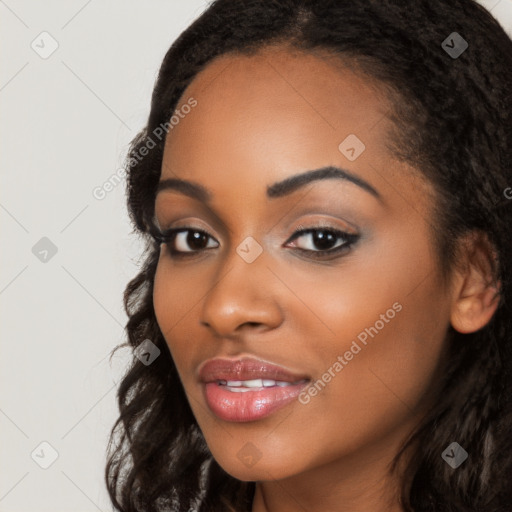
{"x":242,"y":467}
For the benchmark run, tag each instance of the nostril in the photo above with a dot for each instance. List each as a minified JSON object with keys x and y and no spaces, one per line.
{"x":254,"y":324}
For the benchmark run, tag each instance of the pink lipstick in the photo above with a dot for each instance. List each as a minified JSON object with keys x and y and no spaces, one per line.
{"x":248,"y":389}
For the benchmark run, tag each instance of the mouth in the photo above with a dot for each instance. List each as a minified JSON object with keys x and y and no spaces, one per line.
{"x":248,"y":389}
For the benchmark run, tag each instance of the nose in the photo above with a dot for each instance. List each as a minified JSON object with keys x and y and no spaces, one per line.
{"x":244,"y":296}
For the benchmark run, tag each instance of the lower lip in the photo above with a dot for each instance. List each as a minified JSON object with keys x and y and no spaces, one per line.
{"x":249,"y":405}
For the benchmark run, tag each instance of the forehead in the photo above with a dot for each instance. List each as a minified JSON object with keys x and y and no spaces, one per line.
{"x":279,"y":84}
{"x":314,"y":99}
{"x":260,"y":118}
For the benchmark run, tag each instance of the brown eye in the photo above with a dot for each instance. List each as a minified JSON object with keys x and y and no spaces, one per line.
{"x":188,"y":240}
{"x":323,"y":241}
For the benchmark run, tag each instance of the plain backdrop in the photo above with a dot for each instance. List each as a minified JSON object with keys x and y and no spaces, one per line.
{"x":66,"y":120}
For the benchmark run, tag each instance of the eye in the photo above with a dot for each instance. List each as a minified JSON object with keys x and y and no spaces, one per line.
{"x":322,"y":241}
{"x":187,"y":240}
{"x":318,"y":242}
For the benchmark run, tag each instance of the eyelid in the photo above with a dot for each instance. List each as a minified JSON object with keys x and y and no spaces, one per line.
{"x":186,"y":223}
{"x":321,"y":222}
{"x":340,"y":226}
{"x":298,"y":230}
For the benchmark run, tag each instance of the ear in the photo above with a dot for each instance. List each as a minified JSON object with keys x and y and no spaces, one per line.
{"x":476,"y":292}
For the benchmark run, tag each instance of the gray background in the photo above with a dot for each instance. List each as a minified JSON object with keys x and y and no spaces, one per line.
{"x":66,"y":121}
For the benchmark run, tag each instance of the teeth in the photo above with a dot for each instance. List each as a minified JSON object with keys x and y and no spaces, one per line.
{"x":240,"y":389}
{"x":255,"y":383}
{"x":247,"y":385}
{"x":233,"y":383}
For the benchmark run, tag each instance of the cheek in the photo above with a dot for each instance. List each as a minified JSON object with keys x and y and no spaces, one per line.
{"x":175,"y":294}
{"x":378,"y":384}
{"x":387,"y":318}
{"x":174,"y":300}
{"x":375,"y":338}
{"x":163,"y":299}
{"x":177,"y":302}
{"x":161,"y":295}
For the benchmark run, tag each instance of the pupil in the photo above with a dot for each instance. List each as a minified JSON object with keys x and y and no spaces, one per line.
{"x":197,"y":239}
{"x":324,"y":239}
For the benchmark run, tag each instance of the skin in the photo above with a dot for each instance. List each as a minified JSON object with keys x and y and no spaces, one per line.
{"x":259,"y":120}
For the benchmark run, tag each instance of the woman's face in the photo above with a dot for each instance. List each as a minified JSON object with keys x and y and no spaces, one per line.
{"x":364,"y":322}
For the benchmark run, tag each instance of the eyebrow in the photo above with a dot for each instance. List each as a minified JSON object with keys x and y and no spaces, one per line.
{"x":279,"y":189}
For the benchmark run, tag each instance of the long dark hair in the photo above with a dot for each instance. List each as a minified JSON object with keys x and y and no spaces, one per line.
{"x":453,"y":119}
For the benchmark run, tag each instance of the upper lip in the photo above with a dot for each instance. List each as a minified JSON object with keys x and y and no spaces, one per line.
{"x":245,"y":368}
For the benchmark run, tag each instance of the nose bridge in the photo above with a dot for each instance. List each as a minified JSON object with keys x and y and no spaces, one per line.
{"x":242,"y":291}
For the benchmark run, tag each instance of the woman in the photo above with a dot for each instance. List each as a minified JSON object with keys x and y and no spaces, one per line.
{"x":323,"y":319}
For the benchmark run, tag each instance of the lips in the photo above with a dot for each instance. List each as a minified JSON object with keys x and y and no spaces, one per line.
{"x":248,"y":389}
{"x":246,"y":369}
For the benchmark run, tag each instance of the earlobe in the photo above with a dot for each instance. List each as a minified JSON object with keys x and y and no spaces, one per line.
{"x":476,"y":291}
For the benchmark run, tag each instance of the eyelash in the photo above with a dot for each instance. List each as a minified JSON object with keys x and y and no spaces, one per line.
{"x":168,"y":237}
